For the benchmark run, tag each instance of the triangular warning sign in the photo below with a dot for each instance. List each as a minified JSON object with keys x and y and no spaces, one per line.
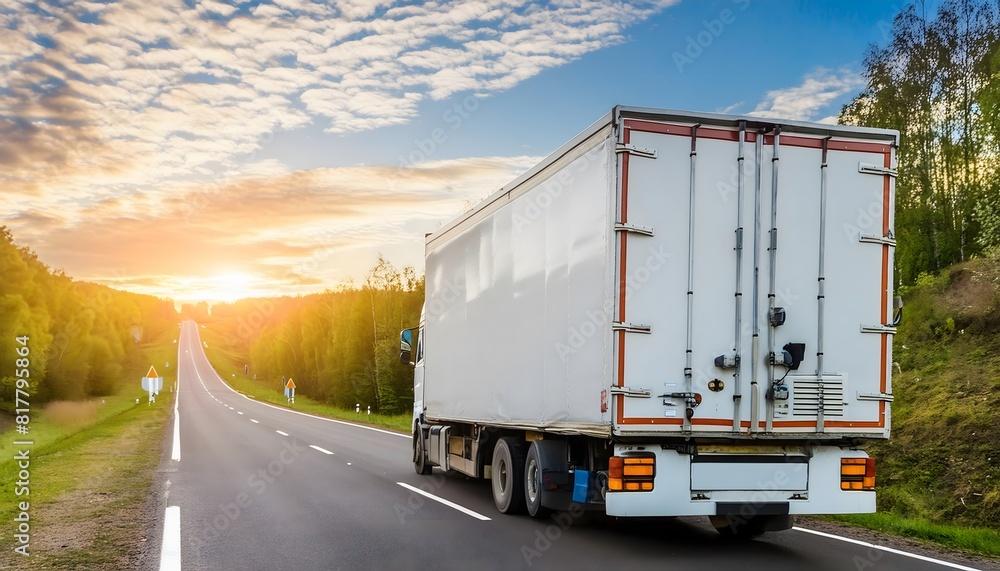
{"x":152,"y":373}
{"x":290,"y":384}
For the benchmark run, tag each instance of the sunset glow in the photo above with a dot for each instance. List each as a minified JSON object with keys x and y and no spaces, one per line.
{"x":146,"y":145}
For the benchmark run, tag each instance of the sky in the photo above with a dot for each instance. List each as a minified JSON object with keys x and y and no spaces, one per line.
{"x":214,"y":150}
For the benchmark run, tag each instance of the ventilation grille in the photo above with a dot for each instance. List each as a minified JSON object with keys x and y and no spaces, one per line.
{"x":808,"y":393}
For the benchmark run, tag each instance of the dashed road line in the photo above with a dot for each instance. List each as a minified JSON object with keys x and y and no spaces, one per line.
{"x":390,"y":433}
{"x":323,"y":450}
{"x":450,"y":504}
{"x":170,"y":552}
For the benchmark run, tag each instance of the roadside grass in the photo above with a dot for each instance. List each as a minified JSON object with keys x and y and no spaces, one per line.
{"x":92,"y":465}
{"x":939,"y":473}
{"x":229,"y":365}
{"x":979,"y":540}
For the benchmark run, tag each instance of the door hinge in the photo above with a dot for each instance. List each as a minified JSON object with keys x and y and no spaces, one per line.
{"x":631,"y":327}
{"x":880,"y":328}
{"x":626,"y":227}
{"x":629,"y":392}
{"x":885,"y":397}
{"x":634,"y":150}
{"x":889,"y":240}
{"x":871,"y":168}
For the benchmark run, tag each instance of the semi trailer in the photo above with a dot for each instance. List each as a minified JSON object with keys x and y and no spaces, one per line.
{"x":674,"y":314}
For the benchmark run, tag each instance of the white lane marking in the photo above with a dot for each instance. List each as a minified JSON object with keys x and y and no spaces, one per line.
{"x":452,"y":505}
{"x":238,"y":412}
{"x":175,"y":453}
{"x":254,"y":420}
{"x":231,"y":408}
{"x":281,"y":433}
{"x":310,"y":415}
{"x":889,"y":549}
{"x":323,"y":450}
{"x":170,"y":552}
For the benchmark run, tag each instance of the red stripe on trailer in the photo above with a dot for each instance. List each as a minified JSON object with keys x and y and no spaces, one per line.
{"x":682,"y":130}
{"x":833,"y":145}
{"x":751,"y":137}
{"x":883,"y":381}
{"x":622,"y":284}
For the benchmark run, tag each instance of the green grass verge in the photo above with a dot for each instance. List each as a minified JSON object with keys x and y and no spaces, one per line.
{"x":229,"y":365}
{"x":92,"y":466}
{"x":977,"y":540}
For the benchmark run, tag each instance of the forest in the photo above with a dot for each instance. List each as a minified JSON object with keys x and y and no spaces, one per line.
{"x":79,"y":335}
{"x":339,"y":346}
{"x":937,"y":81}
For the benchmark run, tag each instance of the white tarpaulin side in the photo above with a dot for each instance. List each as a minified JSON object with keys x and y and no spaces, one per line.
{"x":518,"y":301}
{"x":594,"y":295}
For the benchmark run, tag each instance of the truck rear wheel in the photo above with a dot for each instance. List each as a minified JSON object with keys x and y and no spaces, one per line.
{"x":508,"y":475}
{"x":420,"y":464}
{"x":533,"y":484}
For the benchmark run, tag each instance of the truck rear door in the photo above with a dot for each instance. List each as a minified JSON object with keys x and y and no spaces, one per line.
{"x":752,"y":259}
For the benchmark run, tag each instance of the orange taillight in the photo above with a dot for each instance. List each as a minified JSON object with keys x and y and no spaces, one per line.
{"x":631,"y":473}
{"x":857,"y":474}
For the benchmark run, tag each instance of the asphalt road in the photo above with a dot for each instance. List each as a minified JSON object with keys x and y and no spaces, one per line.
{"x":262,"y":488}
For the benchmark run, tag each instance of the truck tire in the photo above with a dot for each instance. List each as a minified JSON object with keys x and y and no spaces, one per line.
{"x":420,"y":464}
{"x":533,"y":483}
{"x":508,"y":480}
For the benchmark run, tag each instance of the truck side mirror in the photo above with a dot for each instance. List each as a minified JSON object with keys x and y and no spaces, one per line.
{"x":897,"y":305}
{"x":406,"y":346}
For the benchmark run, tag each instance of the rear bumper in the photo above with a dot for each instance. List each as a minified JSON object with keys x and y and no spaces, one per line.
{"x":744,"y":485}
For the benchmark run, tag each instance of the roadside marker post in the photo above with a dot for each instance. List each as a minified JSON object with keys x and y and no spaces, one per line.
{"x":153,"y":384}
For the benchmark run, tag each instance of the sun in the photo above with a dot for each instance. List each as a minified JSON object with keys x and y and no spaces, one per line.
{"x":227,"y":286}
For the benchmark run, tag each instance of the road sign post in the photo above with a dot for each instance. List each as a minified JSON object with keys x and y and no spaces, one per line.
{"x":290,"y":391}
{"x":153,"y":384}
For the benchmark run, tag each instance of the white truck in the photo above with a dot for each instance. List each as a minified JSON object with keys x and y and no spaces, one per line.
{"x":674,"y":314}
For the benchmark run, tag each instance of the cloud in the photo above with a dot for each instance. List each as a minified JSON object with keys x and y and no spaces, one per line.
{"x":814,"y":95}
{"x":129,"y":131}
{"x":292,"y":231}
{"x":135,"y":92}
